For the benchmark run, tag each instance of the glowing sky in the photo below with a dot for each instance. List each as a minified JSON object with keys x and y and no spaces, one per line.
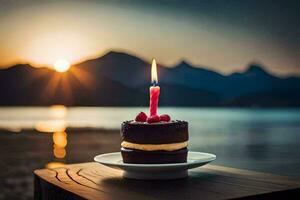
{"x":222,"y":36}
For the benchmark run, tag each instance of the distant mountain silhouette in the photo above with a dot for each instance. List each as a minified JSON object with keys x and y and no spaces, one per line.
{"x":120,"y":79}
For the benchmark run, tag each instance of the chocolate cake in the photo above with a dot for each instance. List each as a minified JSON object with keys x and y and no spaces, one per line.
{"x":154,"y":143}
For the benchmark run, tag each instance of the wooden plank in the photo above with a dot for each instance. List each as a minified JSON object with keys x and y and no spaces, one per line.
{"x":95,"y":181}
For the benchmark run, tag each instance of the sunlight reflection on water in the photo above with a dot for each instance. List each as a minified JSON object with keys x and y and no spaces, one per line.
{"x":58,"y":127}
{"x":258,"y":139}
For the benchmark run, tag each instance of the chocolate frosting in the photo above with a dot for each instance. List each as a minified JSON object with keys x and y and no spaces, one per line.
{"x":156,"y":133}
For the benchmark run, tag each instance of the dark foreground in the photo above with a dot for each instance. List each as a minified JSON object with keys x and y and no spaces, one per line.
{"x":210,"y":182}
{"x":21,"y":153}
{"x":267,"y":146}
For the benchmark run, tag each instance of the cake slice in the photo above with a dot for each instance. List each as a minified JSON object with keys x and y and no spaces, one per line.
{"x":154,"y":143}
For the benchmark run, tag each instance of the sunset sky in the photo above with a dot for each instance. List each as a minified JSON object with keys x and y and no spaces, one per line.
{"x":221,"y":35}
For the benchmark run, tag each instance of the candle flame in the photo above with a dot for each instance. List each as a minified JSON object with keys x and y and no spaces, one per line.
{"x":154,"y":78}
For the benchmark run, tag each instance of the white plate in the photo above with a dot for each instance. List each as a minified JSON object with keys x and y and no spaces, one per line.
{"x":155,"y":171}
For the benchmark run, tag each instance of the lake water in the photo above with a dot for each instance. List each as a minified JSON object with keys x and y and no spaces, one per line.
{"x":265,"y":140}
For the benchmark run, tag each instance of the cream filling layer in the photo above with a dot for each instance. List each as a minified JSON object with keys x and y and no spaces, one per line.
{"x":155,"y":147}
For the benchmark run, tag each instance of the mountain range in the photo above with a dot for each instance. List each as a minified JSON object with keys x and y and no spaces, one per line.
{"x":120,"y":79}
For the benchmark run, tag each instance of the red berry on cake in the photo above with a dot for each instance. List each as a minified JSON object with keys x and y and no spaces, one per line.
{"x":165,"y":118}
{"x":141,"y":117}
{"x":153,"y":119}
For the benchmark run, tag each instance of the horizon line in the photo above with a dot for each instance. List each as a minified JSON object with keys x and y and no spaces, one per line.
{"x":122,"y":51}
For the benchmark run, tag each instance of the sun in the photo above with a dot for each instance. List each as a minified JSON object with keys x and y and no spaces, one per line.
{"x":61,"y":65}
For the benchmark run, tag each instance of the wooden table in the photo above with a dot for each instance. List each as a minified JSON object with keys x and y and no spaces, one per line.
{"x":94,"y":181}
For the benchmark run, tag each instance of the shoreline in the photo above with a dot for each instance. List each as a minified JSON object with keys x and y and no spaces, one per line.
{"x":69,"y":129}
{"x":29,"y":149}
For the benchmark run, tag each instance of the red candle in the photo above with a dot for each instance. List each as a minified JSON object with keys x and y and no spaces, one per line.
{"x":154,"y":90}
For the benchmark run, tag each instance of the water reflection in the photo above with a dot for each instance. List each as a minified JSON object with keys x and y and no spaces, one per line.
{"x":56,"y":125}
{"x":50,"y":126}
{"x":58,"y":111}
{"x":262,"y":140}
{"x":258,"y":145}
{"x":52,"y":165}
{"x":60,"y":142}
